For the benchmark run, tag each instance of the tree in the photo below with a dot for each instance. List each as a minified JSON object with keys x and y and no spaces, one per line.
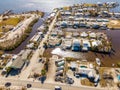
{"x":43,"y":72}
{"x":1,"y":53}
{"x":8,"y":69}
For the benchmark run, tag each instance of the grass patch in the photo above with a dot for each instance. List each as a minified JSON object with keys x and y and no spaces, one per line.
{"x":102,"y":81}
{"x":89,"y":5}
{"x":11,"y":21}
{"x":86,"y":82}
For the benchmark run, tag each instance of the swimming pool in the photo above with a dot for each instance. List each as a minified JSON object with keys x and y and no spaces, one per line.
{"x":118,"y":77}
{"x":83,"y":66}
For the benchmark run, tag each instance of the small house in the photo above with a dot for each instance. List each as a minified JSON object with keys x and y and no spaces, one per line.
{"x":83,"y":34}
{"x":64,"y":24}
{"x":76,"y":45}
{"x":73,"y":66}
{"x":92,"y":35}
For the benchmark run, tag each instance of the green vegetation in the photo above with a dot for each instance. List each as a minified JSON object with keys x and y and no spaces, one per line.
{"x":46,"y":65}
{"x":86,"y":82}
{"x":103,"y":83}
{"x":36,"y":75}
{"x":43,"y":72}
{"x":11,"y":45}
{"x":102,"y":80}
{"x":29,"y":56}
{"x":8,"y":23}
{"x":118,"y":64}
{"x":70,"y":59}
{"x":1,"y":53}
{"x":37,"y":12}
{"x":8,"y":69}
{"x":11,"y":21}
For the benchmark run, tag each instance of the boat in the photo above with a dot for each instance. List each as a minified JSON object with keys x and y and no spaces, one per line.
{"x":98,"y":61}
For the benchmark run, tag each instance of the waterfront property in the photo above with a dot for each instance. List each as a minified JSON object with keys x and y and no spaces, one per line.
{"x":87,"y":17}
{"x":17,"y":63}
{"x":76,"y":45}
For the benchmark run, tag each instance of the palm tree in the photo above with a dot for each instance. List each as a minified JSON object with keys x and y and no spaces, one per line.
{"x":43,"y":72}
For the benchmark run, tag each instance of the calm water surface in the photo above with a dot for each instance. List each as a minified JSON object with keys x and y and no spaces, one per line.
{"x":44,"y":5}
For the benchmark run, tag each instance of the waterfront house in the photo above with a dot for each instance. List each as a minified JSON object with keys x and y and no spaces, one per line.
{"x":58,"y":23}
{"x":60,"y":68}
{"x":71,"y":18}
{"x":67,"y":13}
{"x":99,"y":4}
{"x":52,"y":14}
{"x":67,"y":43}
{"x":64,"y":24}
{"x":94,"y":43}
{"x":95,"y":26}
{"x":36,"y":38}
{"x":76,"y":45}
{"x":73,"y":66}
{"x":20,"y":60}
{"x":54,"y":41}
{"x":80,"y":10}
{"x":60,"y":33}
{"x":31,"y":45}
{"x":76,"y":24}
{"x":54,"y":33}
{"x":86,"y":45}
{"x":60,"y":63}
{"x":85,"y":72}
{"x":99,"y":20}
{"x":75,"y":34}
{"x":78,"y":14}
{"x":82,"y":24}
{"x":70,"y":23}
{"x":105,"y":14}
{"x":83,"y":34}
{"x":117,"y":15}
{"x":92,"y":35}
{"x":103,"y":26}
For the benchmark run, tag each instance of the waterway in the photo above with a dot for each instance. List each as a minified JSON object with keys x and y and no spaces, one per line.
{"x":34,"y":30}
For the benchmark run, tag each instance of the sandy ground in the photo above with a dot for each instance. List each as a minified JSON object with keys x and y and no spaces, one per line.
{"x":114,"y":24}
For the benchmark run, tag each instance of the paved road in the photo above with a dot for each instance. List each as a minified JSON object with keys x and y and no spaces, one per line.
{"x":24,"y":74}
{"x":46,"y":85}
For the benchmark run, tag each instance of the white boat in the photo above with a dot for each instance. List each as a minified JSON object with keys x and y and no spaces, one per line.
{"x":98,"y":61}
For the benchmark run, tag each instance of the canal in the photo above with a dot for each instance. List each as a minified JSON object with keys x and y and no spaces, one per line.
{"x":34,"y":30}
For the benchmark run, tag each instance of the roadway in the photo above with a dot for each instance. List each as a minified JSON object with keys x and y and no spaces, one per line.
{"x":25,"y":74}
{"x":37,"y":84}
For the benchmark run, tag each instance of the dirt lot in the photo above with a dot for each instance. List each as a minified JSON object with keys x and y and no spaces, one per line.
{"x":114,"y":24}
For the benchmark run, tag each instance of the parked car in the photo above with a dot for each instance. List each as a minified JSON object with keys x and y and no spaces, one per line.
{"x":7,"y":84}
{"x":29,"y":85}
{"x":69,"y":80}
{"x":40,"y":59}
{"x":58,"y":88}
